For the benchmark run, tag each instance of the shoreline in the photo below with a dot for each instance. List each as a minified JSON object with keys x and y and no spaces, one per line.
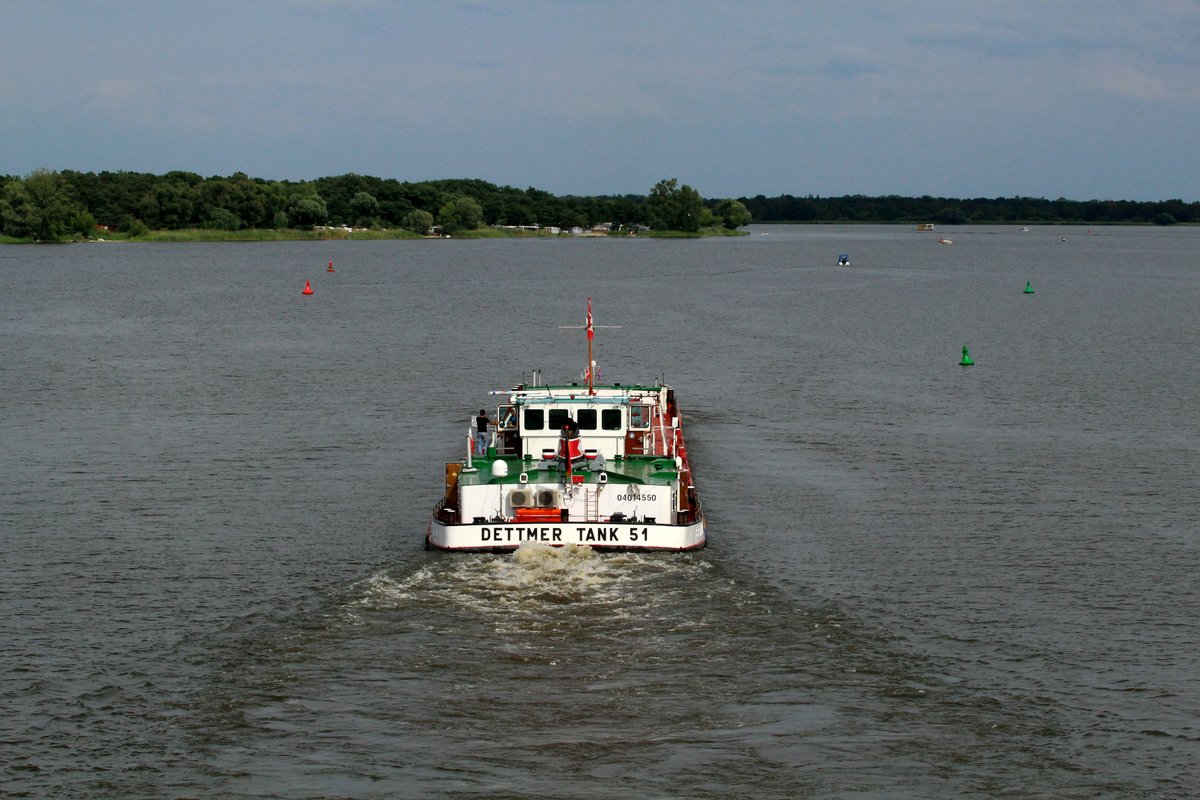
{"x":203,"y":235}
{"x":210,"y":236}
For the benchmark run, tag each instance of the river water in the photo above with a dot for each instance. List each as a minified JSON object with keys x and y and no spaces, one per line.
{"x":923,"y":580}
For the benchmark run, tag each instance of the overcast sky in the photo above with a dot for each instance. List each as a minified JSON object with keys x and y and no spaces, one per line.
{"x":1082,"y":100}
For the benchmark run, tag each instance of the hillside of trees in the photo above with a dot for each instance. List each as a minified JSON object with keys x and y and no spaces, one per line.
{"x":60,"y":206}
{"x":56,"y":206}
{"x":952,"y":211}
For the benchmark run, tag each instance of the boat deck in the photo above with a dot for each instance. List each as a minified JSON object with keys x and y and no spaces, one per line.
{"x":646,"y":470}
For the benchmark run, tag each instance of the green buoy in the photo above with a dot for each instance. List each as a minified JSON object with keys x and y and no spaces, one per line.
{"x":1028,"y":287}
{"x":966,"y":359}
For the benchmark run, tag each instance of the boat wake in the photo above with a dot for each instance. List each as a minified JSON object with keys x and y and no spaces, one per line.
{"x":530,"y":582}
{"x":557,"y":574}
{"x":645,"y":660}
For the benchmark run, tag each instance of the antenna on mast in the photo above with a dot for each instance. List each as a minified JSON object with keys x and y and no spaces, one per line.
{"x":591,"y":333}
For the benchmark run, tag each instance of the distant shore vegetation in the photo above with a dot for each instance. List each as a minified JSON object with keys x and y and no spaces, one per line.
{"x":49,"y":206}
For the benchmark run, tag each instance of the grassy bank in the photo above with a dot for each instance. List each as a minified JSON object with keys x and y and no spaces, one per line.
{"x":357,"y":234}
{"x":265,"y":235}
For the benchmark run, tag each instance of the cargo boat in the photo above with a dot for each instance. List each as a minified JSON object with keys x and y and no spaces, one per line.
{"x":605,"y":466}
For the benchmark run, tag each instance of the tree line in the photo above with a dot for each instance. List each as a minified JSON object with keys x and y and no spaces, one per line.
{"x":892,"y":208}
{"x":53,"y":206}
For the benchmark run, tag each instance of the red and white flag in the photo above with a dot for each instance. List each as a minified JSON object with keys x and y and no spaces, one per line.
{"x":590,"y":332}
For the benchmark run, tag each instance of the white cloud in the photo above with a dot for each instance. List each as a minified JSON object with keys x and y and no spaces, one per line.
{"x":1128,"y":82}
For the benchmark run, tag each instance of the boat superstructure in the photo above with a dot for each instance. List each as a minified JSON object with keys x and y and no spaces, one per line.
{"x":599,"y":465}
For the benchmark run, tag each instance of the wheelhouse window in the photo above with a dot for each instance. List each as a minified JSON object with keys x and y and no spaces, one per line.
{"x":535,"y":419}
{"x":610,"y":419}
{"x":639,"y":417}
{"x":586,"y":417}
{"x":558,"y":418}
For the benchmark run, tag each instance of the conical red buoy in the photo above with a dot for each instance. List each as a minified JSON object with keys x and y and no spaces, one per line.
{"x":330,"y":269}
{"x":307,"y":288}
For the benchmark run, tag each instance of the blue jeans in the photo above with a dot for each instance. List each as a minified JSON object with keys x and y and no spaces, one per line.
{"x":481,"y":442}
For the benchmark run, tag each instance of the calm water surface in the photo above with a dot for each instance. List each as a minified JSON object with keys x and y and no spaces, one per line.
{"x":922,"y":580}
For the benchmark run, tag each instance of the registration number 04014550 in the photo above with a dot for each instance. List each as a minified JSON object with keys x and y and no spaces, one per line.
{"x":635,"y":496}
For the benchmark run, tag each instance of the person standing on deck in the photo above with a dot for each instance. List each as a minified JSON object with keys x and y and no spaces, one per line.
{"x":481,"y":431}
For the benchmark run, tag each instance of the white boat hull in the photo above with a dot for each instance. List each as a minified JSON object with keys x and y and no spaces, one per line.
{"x":493,"y":536}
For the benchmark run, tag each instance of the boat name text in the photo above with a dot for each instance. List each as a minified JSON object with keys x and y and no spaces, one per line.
{"x":547,"y":533}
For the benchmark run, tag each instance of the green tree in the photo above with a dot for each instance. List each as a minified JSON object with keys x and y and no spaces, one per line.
{"x":461,"y":214}
{"x":417,"y":221}
{"x":338,"y":193}
{"x":951,"y":215}
{"x":660,"y":203}
{"x":248,"y":199}
{"x":732,"y":214}
{"x":222,"y":219}
{"x":41,"y":206}
{"x":364,"y":208}
{"x":470,"y":213}
{"x":674,"y":207}
{"x":111,"y":197}
{"x":307,"y":210}
{"x":168,"y":205}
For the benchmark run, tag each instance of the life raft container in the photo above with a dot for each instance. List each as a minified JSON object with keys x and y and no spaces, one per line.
{"x":537,"y":515}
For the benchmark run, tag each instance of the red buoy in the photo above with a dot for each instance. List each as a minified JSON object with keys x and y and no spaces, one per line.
{"x":307,"y":288}
{"x":330,"y":269}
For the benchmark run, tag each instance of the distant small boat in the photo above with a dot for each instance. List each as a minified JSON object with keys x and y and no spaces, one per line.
{"x":944,"y":240}
{"x":843,"y":260}
{"x":1024,"y":229}
{"x":925,"y":226}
